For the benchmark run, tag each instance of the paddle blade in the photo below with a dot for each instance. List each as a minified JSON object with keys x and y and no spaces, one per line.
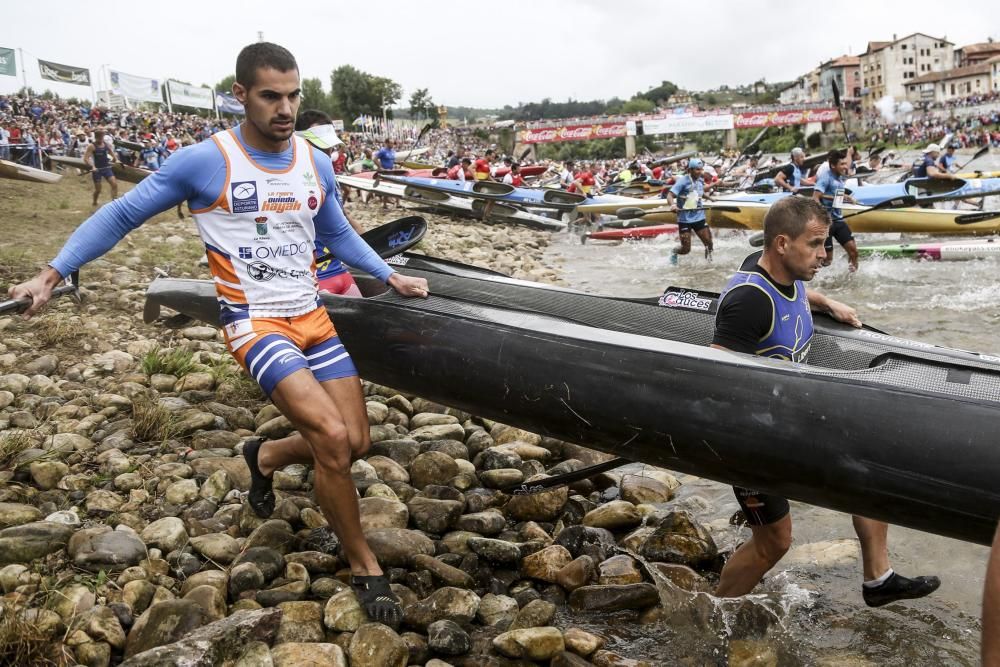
{"x":524,"y":154}
{"x":629,"y":213}
{"x":972,"y":218}
{"x":397,"y":236}
{"x":757,"y":240}
{"x":836,"y":93}
{"x":756,"y":140}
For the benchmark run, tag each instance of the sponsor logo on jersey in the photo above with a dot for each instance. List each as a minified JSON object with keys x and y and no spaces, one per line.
{"x":279,"y":202}
{"x":685,"y":299}
{"x":244,"y":196}
{"x":308,"y":179}
{"x":261,"y":222}
{"x":312,"y":202}
{"x":277,"y":181}
{"x":262,"y":272}
{"x":269,"y":251}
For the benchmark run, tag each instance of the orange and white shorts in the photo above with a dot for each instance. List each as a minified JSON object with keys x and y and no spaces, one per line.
{"x":272,"y":348}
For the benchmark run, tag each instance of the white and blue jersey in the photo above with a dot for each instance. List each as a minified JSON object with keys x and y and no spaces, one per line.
{"x":689,"y":193}
{"x":832,"y":187}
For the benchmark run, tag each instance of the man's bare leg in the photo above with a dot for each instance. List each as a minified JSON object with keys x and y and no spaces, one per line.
{"x":113,"y":182}
{"x":705,"y":234}
{"x":97,"y":190}
{"x":755,"y":557}
{"x":881,"y":584}
{"x":320,"y":420}
{"x":874,"y":538}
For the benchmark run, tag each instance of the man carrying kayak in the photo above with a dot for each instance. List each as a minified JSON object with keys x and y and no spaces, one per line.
{"x":927,"y":166}
{"x":261,"y":196}
{"x":795,"y":174}
{"x":766,"y":310}
{"x":946,"y":162}
{"x":385,"y":157}
{"x":685,"y":198}
{"x":830,"y":191}
{"x":100,"y":158}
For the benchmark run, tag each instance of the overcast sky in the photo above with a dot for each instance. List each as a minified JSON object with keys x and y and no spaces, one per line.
{"x":478,"y":53}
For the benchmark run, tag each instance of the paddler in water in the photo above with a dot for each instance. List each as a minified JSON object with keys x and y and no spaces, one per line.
{"x":482,"y":169}
{"x":766,"y":310}
{"x":685,"y":199}
{"x":794,"y":175}
{"x":830,"y":191}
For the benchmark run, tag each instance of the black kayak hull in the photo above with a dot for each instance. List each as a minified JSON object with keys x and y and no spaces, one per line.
{"x":836,"y":439}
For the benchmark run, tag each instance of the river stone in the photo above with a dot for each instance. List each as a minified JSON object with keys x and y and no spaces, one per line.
{"x":431,"y":419}
{"x":680,"y":539}
{"x":614,"y":598}
{"x":502,"y":433}
{"x":103,"y":501}
{"x":388,"y":470}
{"x":182,"y":492}
{"x":434,"y":516}
{"x":546,"y":564}
{"x":579,"y":572}
{"x":541,"y":506}
{"x":525,"y":451}
{"x":216,"y":486}
{"x":751,"y":653}
{"x":448,"y":638}
{"x":315,"y":562}
{"x":382,"y":513}
{"x":223,"y":642}
{"x":275,"y":428}
{"x":343,"y":613}
{"x":438,"y":432}
{"x":535,"y":614}
{"x":15,"y":383}
{"x":215,"y":440}
{"x":497,"y":610}
{"x":401,"y":451}
{"x":15,"y":514}
{"x":300,"y":622}
{"x":269,"y":561}
{"x":235,"y":467}
{"x":376,"y":645}
{"x":639,"y":489}
{"x":72,"y":600}
{"x":824,"y":554}
{"x":210,"y":599}
{"x":102,"y":548}
{"x":46,"y":474}
{"x":530,"y":643}
{"x":684,"y":577}
{"x":218,"y":547}
{"x":581,"y":642}
{"x":616,"y":515}
{"x":214,"y":578}
{"x":598,"y":543}
{"x":138,"y":595}
{"x":488,"y":522}
{"x":308,"y":655}
{"x":451,"y":603}
{"x":197,"y":381}
{"x":432,"y":468}
{"x":621,"y":569}
{"x":567,"y":659}
{"x":194,"y":420}
{"x":496,"y":551}
{"x":501,"y":478}
{"x":244,"y":577}
{"x":396,"y":547}
{"x":163,"y":623}
{"x":448,"y":575}
{"x":167,"y":534}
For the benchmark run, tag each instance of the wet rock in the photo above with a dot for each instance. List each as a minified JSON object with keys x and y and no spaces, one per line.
{"x":450,"y":603}
{"x":824,"y":554}
{"x":343,"y":613}
{"x":218,"y":547}
{"x":244,"y":577}
{"x":567,"y":659}
{"x":535,"y":614}
{"x":680,"y":539}
{"x":541,"y":506}
{"x":448,"y":575}
{"x":448,"y":638}
{"x":497,"y":610}
{"x":167,"y":534}
{"x":102,"y":548}
{"x":621,"y":569}
{"x":582,"y":642}
{"x":681,"y":576}
{"x":546,"y":564}
{"x":163,"y":623}
{"x":598,"y":543}
{"x":434,"y":516}
{"x":495,"y":551}
{"x":376,"y":645}
{"x":432,"y":468}
{"x":614,"y":598}
{"x":639,"y":489}
{"x":437,"y":432}
{"x":616,"y":515}
{"x":604,"y":658}
{"x":300,"y":622}
{"x":751,"y":653}
{"x":530,"y":643}
{"x":396,"y":547}
{"x":15,"y":514}
{"x":488,"y":522}
{"x":579,"y":572}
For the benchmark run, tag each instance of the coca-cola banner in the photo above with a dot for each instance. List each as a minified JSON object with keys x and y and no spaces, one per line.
{"x":777,"y":118}
{"x":681,"y":123}
{"x":573,"y":133}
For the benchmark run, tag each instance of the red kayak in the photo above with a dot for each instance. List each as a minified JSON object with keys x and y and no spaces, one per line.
{"x":441,"y":172}
{"x":632,"y":233}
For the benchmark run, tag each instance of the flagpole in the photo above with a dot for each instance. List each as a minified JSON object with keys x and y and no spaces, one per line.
{"x":24,"y":71}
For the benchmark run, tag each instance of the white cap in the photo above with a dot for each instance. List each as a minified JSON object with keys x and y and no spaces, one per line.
{"x":933,"y":148}
{"x":323,"y":137}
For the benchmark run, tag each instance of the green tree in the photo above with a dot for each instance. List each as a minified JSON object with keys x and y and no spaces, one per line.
{"x":638,"y":105}
{"x":421,"y":105}
{"x":314,"y":97}
{"x":660,"y":93}
{"x":354,"y":92}
{"x":226,"y":85}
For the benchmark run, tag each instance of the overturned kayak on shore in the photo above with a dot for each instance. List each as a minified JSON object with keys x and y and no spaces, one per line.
{"x":875,"y":425}
{"x":935,"y":251}
{"x":20,"y":172}
{"x":531,"y":197}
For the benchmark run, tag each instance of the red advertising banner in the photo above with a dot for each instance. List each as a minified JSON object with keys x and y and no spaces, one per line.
{"x":573,"y":133}
{"x":778,"y":118}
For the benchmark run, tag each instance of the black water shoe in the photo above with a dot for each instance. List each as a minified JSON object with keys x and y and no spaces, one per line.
{"x":898,"y":587}
{"x":261,"y":496}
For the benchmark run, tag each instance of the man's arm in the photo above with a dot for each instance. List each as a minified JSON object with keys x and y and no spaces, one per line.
{"x":935,"y":172}
{"x":745,"y":316}
{"x":835,"y":309}
{"x":781,"y":180}
{"x":88,"y":155}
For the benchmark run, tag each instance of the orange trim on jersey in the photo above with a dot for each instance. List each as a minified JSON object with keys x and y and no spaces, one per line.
{"x":221,"y":201}
{"x":304,"y":331}
{"x":231,"y":294}
{"x":295,"y":150}
{"x":221,"y":267}
{"x":319,"y":184}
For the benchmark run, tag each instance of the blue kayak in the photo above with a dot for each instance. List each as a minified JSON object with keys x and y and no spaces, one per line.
{"x":926,"y":190}
{"x":535,"y":197}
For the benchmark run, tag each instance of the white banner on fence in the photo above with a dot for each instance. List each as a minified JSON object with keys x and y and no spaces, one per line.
{"x":136,"y":87}
{"x":707,"y":123}
{"x":190,"y":96}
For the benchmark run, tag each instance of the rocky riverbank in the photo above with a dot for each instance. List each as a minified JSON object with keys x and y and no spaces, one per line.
{"x":125,"y":539}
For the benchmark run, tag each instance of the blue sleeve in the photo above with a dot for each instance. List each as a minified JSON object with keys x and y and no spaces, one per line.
{"x":161,"y":191}
{"x":335,"y":233}
{"x":679,"y":186}
{"x":823,"y":182}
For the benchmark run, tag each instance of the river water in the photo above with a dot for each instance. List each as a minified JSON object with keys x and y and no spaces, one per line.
{"x":814,"y":601}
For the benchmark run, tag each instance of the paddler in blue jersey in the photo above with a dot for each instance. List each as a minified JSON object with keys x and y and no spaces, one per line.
{"x":927,"y":166}
{"x":946,"y":162}
{"x":795,"y":174}
{"x":766,"y":310}
{"x":685,"y":197}
{"x":830,"y":191}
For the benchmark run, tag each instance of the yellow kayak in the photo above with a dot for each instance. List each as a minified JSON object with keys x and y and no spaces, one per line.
{"x":750,"y":215}
{"x":979,"y":174}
